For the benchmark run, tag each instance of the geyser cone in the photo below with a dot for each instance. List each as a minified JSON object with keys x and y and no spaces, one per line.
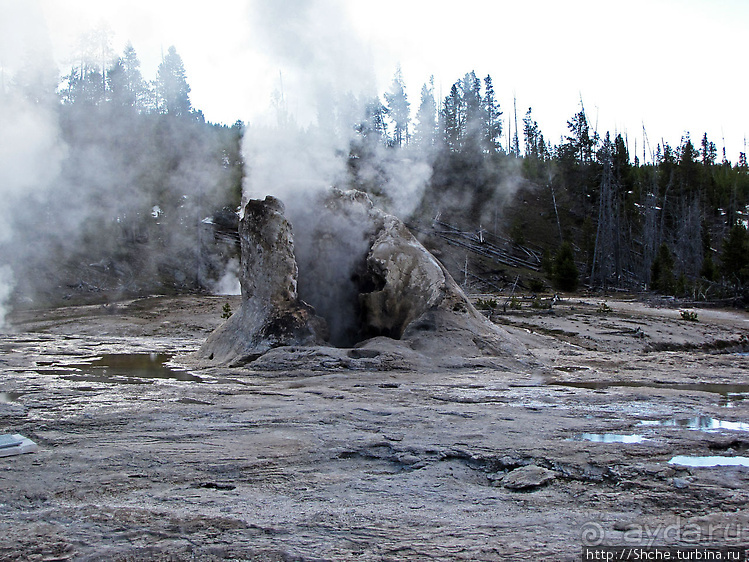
{"x":271,"y":315}
{"x":362,"y":271}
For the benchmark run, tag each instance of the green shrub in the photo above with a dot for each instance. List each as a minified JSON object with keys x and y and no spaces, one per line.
{"x":486,"y":304}
{"x":565,"y":275}
{"x":536,"y":285}
{"x":689,"y":316}
{"x":603,"y":308}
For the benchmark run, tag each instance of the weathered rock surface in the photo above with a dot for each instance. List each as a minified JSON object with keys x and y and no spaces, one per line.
{"x":419,"y":302}
{"x":363,"y":272}
{"x":528,"y":478}
{"x":271,"y":314}
{"x":333,"y":463}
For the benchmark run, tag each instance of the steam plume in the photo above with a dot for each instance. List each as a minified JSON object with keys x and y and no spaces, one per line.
{"x":301,"y":148}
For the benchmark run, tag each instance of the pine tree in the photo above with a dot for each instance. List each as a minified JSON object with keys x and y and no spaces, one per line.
{"x":565,"y":274}
{"x":474,"y":123}
{"x":126,"y":85}
{"x":532,"y":136}
{"x":425,"y":129}
{"x":492,"y":116}
{"x":398,"y":106}
{"x":451,"y":118}
{"x":662,"y":271}
{"x":84,"y":86}
{"x":580,"y":142}
{"x":373,"y":127}
{"x":735,"y":255}
{"x":173,"y":89}
{"x":709,"y":152}
{"x":688,"y":168}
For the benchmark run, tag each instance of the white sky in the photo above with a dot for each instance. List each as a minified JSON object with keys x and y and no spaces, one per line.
{"x":674,"y":65}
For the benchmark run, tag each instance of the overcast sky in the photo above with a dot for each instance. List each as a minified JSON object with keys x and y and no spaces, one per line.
{"x":672,"y":65}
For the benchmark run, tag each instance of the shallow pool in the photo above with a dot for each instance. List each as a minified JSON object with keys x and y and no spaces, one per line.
{"x":709,"y":461}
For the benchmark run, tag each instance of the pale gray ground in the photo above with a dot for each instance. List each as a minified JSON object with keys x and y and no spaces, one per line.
{"x":326,"y":459}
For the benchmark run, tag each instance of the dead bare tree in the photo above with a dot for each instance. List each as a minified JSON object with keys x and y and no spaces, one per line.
{"x":606,"y":266}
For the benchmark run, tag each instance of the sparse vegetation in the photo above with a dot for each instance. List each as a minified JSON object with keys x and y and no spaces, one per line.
{"x":536,"y":285}
{"x":689,"y":316}
{"x":541,"y":304}
{"x":603,"y":308}
{"x":226,"y":311}
{"x":514,"y":303}
{"x":486,"y":304}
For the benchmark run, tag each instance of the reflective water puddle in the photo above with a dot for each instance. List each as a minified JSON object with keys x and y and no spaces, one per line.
{"x":608,"y":438}
{"x":125,"y":368}
{"x":728,"y":392}
{"x":709,"y":461}
{"x":8,"y":397}
{"x":699,"y":423}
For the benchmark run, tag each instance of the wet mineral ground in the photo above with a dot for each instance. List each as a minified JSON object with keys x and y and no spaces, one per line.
{"x":630,"y":427}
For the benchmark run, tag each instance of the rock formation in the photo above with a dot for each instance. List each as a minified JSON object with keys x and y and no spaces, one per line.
{"x":363,"y":274}
{"x":271,"y":314}
{"x":419,"y":301}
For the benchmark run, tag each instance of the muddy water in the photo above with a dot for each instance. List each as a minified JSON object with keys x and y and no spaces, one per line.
{"x":124,"y":368}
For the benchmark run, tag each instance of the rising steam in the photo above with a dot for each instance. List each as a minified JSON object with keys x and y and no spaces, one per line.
{"x":301,"y":149}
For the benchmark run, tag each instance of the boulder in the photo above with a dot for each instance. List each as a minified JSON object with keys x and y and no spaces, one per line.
{"x":528,"y":478}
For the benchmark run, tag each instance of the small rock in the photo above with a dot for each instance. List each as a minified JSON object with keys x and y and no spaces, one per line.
{"x":528,"y":477}
{"x":667,"y":472}
{"x":680,"y":483}
{"x":408,"y":459}
{"x":495,"y":479}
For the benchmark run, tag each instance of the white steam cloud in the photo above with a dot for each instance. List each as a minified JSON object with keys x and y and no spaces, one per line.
{"x":302,"y":147}
{"x":317,"y":53}
{"x":31,"y":152}
{"x":326,"y":79}
{"x":100,"y":197}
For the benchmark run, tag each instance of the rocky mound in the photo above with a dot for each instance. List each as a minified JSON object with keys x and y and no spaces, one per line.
{"x":364,"y":277}
{"x":271,"y":314}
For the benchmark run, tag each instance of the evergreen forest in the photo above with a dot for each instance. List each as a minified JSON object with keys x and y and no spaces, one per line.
{"x":147,"y":192}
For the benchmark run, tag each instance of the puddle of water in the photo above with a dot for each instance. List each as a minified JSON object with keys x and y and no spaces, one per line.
{"x":571,"y":368}
{"x":709,"y":461}
{"x":127,"y":368}
{"x":700,"y":423}
{"x":727,"y":391}
{"x":609,"y":438}
{"x":8,"y":397}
